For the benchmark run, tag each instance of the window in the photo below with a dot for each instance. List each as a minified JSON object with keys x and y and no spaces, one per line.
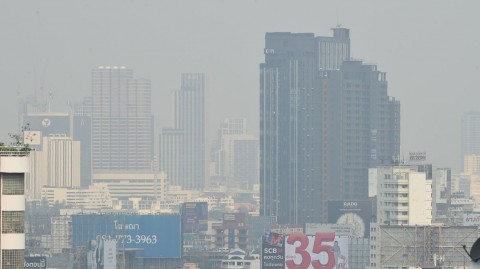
{"x":13,"y":222}
{"x":13,"y":258}
{"x":13,"y":184}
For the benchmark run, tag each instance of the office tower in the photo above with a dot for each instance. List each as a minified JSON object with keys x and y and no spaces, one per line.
{"x":122,"y":121}
{"x":470,"y":134}
{"x":13,"y":166}
{"x":320,"y":128}
{"x":58,"y":164}
{"x":182,"y":148}
{"x":234,"y":155}
{"x":292,"y":179}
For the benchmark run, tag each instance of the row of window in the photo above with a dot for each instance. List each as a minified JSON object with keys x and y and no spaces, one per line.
{"x":13,"y":258}
{"x":13,"y":184}
{"x":13,"y":222}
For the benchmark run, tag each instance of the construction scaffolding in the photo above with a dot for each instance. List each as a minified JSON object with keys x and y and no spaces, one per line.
{"x":422,"y":246}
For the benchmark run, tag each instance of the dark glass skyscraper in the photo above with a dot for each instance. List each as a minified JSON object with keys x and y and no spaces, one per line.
{"x":324,"y":120}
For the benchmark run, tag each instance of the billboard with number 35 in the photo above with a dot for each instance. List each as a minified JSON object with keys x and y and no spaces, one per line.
{"x":319,"y":251}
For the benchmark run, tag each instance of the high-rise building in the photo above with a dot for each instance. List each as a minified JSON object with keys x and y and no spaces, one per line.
{"x":13,"y":167}
{"x":324,"y":120}
{"x":470,"y":134}
{"x":234,"y":155}
{"x":122,"y":121}
{"x":182,"y":148}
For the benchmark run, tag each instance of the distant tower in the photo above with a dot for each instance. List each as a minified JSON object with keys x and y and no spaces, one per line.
{"x":234,"y":155}
{"x":470,"y":134}
{"x":122,"y":121}
{"x":182,"y":148}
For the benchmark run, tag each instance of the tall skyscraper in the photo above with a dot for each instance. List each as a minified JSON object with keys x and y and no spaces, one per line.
{"x":122,"y":121}
{"x":470,"y":134}
{"x":324,"y":120}
{"x":182,"y":148}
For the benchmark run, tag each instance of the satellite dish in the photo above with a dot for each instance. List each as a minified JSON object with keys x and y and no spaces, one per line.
{"x":474,"y":251}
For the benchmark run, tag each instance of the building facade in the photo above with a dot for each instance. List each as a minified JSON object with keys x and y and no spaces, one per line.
{"x":234,"y":156}
{"x":182,"y":148}
{"x":324,"y":120}
{"x":13,"y":167}
{"x":404,"y":196}
{"x":122,"y":121}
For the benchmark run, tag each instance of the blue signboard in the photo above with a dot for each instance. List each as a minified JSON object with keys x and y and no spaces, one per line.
{"x":151,"y":236}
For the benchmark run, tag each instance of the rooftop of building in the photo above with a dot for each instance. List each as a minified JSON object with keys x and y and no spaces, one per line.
{"x":14,"y":151}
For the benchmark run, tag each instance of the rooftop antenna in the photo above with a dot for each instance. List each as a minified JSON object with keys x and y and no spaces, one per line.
{"x":474,"y":251}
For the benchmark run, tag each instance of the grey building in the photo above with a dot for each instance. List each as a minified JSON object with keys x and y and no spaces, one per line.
{"x":324,"y":120}
{"x":470,"y":134}
{"x":122,"y":121}
{"x":182,"y":148}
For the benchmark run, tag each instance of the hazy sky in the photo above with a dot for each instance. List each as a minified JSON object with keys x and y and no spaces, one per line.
{"x":430,"y":50}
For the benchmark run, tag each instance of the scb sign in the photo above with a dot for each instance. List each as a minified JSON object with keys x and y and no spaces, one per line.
{"x":35,"y":262}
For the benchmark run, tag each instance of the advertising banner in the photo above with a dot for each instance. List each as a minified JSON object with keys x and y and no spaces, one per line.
{"x":195,"y":217}
{"x":338,"y":229}
{"x":47,"y":124}
{"x":273,"y":251}
{"x":153,"y":236}
{"x":35,"y":262}
{"x":356,"y":213}
{"x":471,"y":219}
{"x":322,"y":250}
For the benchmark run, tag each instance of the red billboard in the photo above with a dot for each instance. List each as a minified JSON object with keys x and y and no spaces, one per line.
{"x":319,"y":251}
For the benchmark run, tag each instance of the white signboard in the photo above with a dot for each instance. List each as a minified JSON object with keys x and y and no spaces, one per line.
{"x":471,"y":219}
{"x":338,"y":229}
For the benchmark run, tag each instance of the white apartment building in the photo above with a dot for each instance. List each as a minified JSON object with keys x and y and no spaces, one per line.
{"x":123,"y":186}
{"x":404,"y":196}
{"x":96,"y":196}
{"x":13,"y":166}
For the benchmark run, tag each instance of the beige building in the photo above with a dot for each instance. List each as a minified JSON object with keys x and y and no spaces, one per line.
{"x":96,"y":196}
{"x":57,"y":164}
{"x":404,"y":196}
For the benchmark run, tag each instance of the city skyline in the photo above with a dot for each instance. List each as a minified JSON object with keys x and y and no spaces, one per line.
{"x":383,"y":37}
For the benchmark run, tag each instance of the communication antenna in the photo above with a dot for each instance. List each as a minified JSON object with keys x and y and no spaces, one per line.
{"x":474,"y":251}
